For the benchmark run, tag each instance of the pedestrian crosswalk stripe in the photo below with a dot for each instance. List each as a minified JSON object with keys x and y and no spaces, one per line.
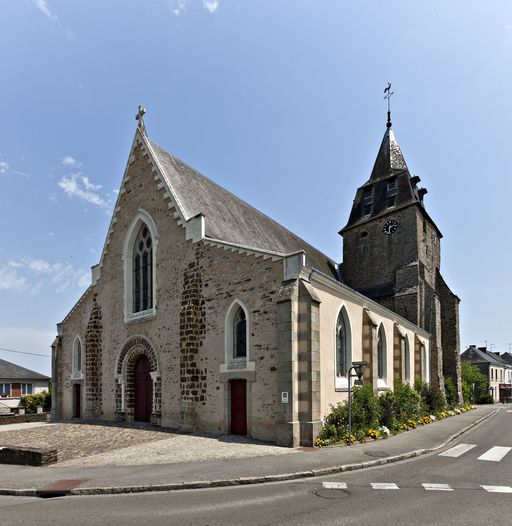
{"x":495,"y":454}
{"x":497,"y":489}
{"x":334,"y":485}
{"x":457,"y":451}
{"x":437,"y":487}
{"x":384,"y":485}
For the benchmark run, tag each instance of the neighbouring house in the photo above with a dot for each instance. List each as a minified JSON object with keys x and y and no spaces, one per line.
{"x":495,"y":367}
{"x":205,"y":314}
{"x":17,"y":381}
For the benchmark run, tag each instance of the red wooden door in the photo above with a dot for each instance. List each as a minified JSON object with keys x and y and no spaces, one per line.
{"x":238,"y":407}
{"x":77,"y":394}
{"x":16,"y":390}
{"x":143,"y":392}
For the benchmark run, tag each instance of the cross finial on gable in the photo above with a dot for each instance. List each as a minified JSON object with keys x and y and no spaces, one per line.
{"x":139,"y":118}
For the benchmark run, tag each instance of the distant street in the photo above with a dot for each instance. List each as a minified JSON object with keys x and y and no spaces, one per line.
{"x":467,"y":483}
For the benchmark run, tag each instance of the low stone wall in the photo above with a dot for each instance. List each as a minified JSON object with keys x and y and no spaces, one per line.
{"x":20,"y":419}
{"x":26,"y":456}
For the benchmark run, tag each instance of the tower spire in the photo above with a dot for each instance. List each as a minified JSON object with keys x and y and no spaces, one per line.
{"x":387,"y":96}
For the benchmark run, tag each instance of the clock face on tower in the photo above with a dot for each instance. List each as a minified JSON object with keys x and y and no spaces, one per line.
{"x":390,"y":227}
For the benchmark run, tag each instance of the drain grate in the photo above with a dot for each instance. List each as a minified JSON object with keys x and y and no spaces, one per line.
{"x":59,"y":488}
{"x":378,"y":454}
{"x":332,"y":493}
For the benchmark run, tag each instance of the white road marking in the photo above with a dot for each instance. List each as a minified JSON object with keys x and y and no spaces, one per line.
{"x":384,"y":485}
{"x":509,"y":410}
{"x":495,"y":454}
{"x":497,"y":489}
{"x":457,"y":451}
{"x":437,"y":487}
{"x":334,"y":485}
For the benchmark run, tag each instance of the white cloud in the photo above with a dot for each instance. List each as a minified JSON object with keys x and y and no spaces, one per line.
{"x":43,"y":7}
{"x":32,"y":274}
{"x":11,"y":280}
{"x":3,"y":167}
{"x":177,"y":6}
{"x":211,"y":5}
{"x":69,"y":161}
{"x":80,"y":186}
{"x":88,"y":185}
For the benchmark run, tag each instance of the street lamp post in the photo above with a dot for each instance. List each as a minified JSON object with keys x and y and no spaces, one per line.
{"x":356,"y":371}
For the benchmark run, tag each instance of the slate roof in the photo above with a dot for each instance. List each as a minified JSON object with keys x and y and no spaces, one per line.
{"x":229,"y":219}
{"x":389,"y":158}
{"x":475,"y":355}
{"x":506,"y":357}
{"x":12,"y":371}
{"x":389,"y":165}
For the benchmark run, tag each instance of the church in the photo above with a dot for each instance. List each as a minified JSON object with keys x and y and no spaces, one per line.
{"x":206,"y":315}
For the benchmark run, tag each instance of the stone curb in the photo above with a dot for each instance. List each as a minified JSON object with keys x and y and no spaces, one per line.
{"x":243,"y":481}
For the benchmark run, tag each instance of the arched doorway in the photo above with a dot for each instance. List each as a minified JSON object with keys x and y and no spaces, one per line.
{"x":143,"y":389}
{"x":238,"y":407}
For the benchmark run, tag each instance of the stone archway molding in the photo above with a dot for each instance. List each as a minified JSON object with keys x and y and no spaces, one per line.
{"x":134,"y":347}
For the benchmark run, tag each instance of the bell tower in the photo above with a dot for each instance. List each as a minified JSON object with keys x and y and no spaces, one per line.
{"x":392,"y":254}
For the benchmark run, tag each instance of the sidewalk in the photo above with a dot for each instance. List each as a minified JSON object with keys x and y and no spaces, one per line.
{"x":23,"y":480}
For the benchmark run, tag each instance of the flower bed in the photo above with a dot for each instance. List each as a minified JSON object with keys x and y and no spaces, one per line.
{"x":375,"y":417}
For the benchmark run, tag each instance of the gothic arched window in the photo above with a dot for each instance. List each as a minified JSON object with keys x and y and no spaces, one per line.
{"x":343,"y":344}
{"x":239,"y":334}
{"x":423,"y":362}
{"x":381,"y":354}
{"x":143,"y":271}
{"x":407,"y":360}
{"x":77,"y":357}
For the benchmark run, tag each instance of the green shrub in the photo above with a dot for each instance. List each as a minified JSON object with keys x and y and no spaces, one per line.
{"x":32,"y":401}
{"x":366,"y":409}
{"x":486,"y":399}
{"x":388,"y":408}
{"x":408,"y":402}
{"x":338,"y":417}
{"x":329,"y":433}
{"x":451,"y":392}
{"x":432,"y":399}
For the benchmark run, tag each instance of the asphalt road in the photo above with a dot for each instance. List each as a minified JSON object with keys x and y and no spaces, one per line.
{"x":472,"y":491}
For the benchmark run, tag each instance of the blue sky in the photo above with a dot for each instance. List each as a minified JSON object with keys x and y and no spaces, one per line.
{"x":278,"y":101}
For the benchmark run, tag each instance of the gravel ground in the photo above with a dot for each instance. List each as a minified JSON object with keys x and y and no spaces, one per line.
{"x":181,"y":448}
{"x":87,"y":445}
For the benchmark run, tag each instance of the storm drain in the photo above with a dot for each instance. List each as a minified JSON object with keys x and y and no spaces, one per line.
{"x":59,"y":488}
{"x":377,"y":454}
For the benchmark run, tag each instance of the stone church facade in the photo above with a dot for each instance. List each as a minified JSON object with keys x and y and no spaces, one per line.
{"x":204,"y":314}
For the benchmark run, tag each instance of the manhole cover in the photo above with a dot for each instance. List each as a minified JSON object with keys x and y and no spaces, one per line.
{"x":332,"y":493}
{"x":379,"y":454}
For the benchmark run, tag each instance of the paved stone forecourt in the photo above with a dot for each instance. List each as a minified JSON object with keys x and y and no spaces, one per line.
{"x":115,"y":444}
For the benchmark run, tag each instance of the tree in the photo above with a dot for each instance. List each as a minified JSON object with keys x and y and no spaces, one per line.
{"x":471,"y":375}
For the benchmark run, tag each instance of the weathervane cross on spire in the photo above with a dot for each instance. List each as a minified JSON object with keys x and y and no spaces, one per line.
{"x":387,"y":96}
{"x":139,"y":118}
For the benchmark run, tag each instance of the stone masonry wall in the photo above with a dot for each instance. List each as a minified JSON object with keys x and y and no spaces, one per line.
{"x":450,"y":335}
{"x":93,"y":361}
{"x":74,"y":325}
{"x":219,"y":276}
{"x":193,"y":380}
